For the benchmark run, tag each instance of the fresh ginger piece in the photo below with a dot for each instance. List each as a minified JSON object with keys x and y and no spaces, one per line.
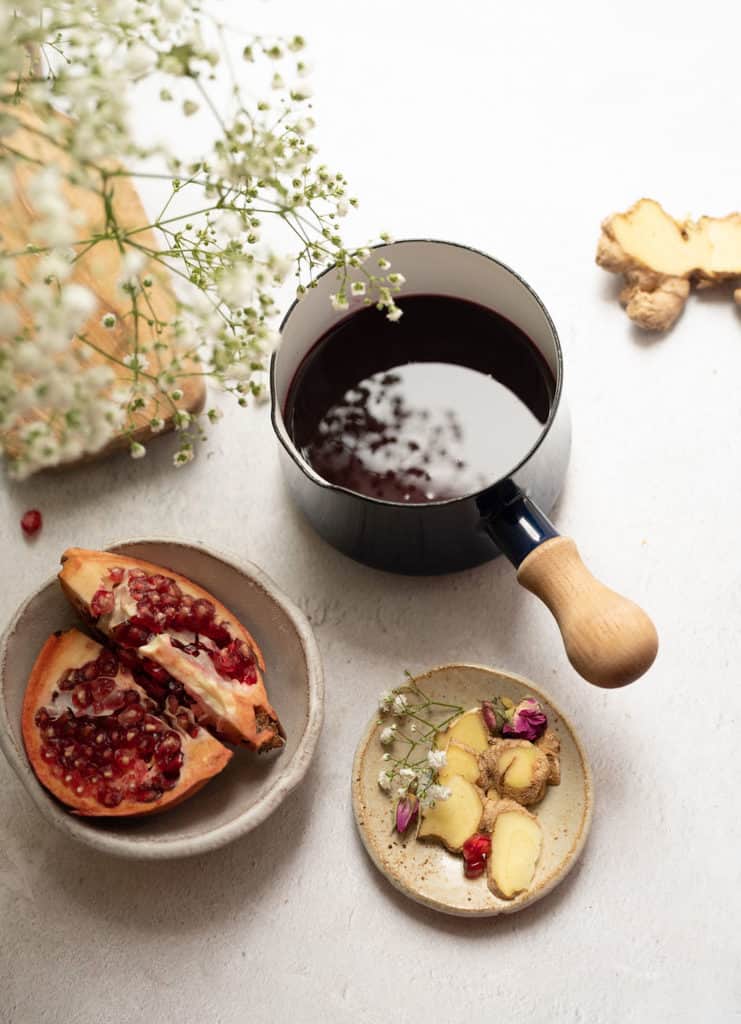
{"x":550,"y":744}
{"x":516,"y":769}
{"x":456,"y":819}
{"x":661,"y":257}
{"x":516,"y":845}
{"x":460,"y":761}
{"x":468,"y":729}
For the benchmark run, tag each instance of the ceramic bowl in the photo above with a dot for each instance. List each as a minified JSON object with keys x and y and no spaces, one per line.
{"x":425,"y":871}
{"x":252,"y":786}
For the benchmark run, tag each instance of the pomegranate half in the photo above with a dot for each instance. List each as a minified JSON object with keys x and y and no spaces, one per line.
{"x":100,"y":744}
{"x":173,"y":628}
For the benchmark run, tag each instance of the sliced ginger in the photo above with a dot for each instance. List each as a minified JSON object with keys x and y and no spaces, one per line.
{"x":661,"y":258}
{"x":468,"y":729}
{"x":516,"y":769}
{"x":516,"y":845}
{"x":460,"y":761}
{"x":456,"y":819}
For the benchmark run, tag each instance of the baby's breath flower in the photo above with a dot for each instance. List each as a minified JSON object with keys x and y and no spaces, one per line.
{"x":436,"y":759}
{"x":223,"y":324}
{"x":384,"y":781}
{"x":136,"y":362}
{"x":184,"y":456}
{"x":394,"y":314}
{"x":388,"y":735}
{"x":399,"y":704}
{"x":383,"y":263}
{"x":435,"y":793}
{"x":137,"y":450}
{"x":385,"y":700}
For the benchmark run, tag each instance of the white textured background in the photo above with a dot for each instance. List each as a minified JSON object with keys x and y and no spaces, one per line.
{"x":515,"y":128}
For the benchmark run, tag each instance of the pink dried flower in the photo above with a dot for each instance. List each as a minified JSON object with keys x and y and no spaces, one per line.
{"x":528,"y":721}
{"x":407,"y":811}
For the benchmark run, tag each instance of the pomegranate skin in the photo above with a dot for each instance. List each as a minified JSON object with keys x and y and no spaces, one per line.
{"x":240,"y":713}
{"x":196,"y":760}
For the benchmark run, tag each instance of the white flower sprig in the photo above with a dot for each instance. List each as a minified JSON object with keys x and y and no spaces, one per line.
{"x":68,"y":70}
{"x":413,"y":761}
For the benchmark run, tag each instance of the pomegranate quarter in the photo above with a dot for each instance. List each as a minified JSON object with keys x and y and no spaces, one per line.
{"x":100,"y":744}
{"x":167,"y":627}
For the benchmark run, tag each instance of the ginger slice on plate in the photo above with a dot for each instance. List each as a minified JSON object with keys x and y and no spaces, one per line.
{"x":516,"y":769}
{"x":516,"y":846}
{"x":468,"y":729}
{"x":453,"y":821}
{"x":460,"y":761}
{"x":661,"y":258}
{"x":164,"y":623}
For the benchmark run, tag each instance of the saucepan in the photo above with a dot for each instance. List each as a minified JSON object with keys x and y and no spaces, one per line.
{"x":609,"y":640}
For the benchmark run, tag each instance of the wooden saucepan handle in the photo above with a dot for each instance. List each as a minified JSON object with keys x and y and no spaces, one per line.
{"x":609,"y":640}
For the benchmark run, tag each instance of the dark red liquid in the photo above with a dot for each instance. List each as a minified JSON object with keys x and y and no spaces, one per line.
{"x":440,"y":404}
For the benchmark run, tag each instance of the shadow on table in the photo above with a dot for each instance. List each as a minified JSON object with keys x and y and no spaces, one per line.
{"x":473,"y":929}
{"x":156,"y":897}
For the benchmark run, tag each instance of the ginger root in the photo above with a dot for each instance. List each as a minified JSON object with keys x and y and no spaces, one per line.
{"x":661,"y":258}
{"x":516,"y":845}
{"x":550,"y":744}
{"x":516,"y":769}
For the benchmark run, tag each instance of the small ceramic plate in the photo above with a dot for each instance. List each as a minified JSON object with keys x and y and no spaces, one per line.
{"x":428,"y":873}
{"x":251,"y":786}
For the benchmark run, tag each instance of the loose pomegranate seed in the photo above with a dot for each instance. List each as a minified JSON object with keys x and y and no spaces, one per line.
{"x":31,"y":522}
{"x":475,"y":853}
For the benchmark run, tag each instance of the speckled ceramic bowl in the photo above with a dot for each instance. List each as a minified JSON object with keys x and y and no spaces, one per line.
{"x":425,"y":871}
{"x":252,"y":786}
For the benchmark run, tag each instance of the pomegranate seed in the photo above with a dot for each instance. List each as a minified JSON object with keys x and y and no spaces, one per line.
{"x":116,"y":574}
{"x":128,"y":634}
{"x":475,"y":853}
{"x":124,"y":757}
{"x":108,"y":664}
{"x":31,"y":522}
{"x":146,"y":794}
{"x":109,"y":796}
{"x":130,"y":715}
{"x":48,"y":754}
{"x":137,"y":574}
{"x":102,"y":603}
{"x":81,"y":696}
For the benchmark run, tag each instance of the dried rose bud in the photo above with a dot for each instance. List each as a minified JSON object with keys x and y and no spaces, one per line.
{"x":528,"y":721}
{"x":407,"y":812}
{"x":490,"y":717}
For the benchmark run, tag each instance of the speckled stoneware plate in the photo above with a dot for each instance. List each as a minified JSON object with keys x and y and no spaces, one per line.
{"x":251,"y":787}
{"x":425,"y":871}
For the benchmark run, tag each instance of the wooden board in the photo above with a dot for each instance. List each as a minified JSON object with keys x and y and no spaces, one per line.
{"x":99,"y":270}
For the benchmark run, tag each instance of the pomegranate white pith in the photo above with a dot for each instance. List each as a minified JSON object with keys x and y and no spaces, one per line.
{"x":178,"y":627}
{"x":100,"y":744}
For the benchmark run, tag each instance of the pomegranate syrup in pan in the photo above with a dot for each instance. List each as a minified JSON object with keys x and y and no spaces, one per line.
{"x":444,"y":402}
